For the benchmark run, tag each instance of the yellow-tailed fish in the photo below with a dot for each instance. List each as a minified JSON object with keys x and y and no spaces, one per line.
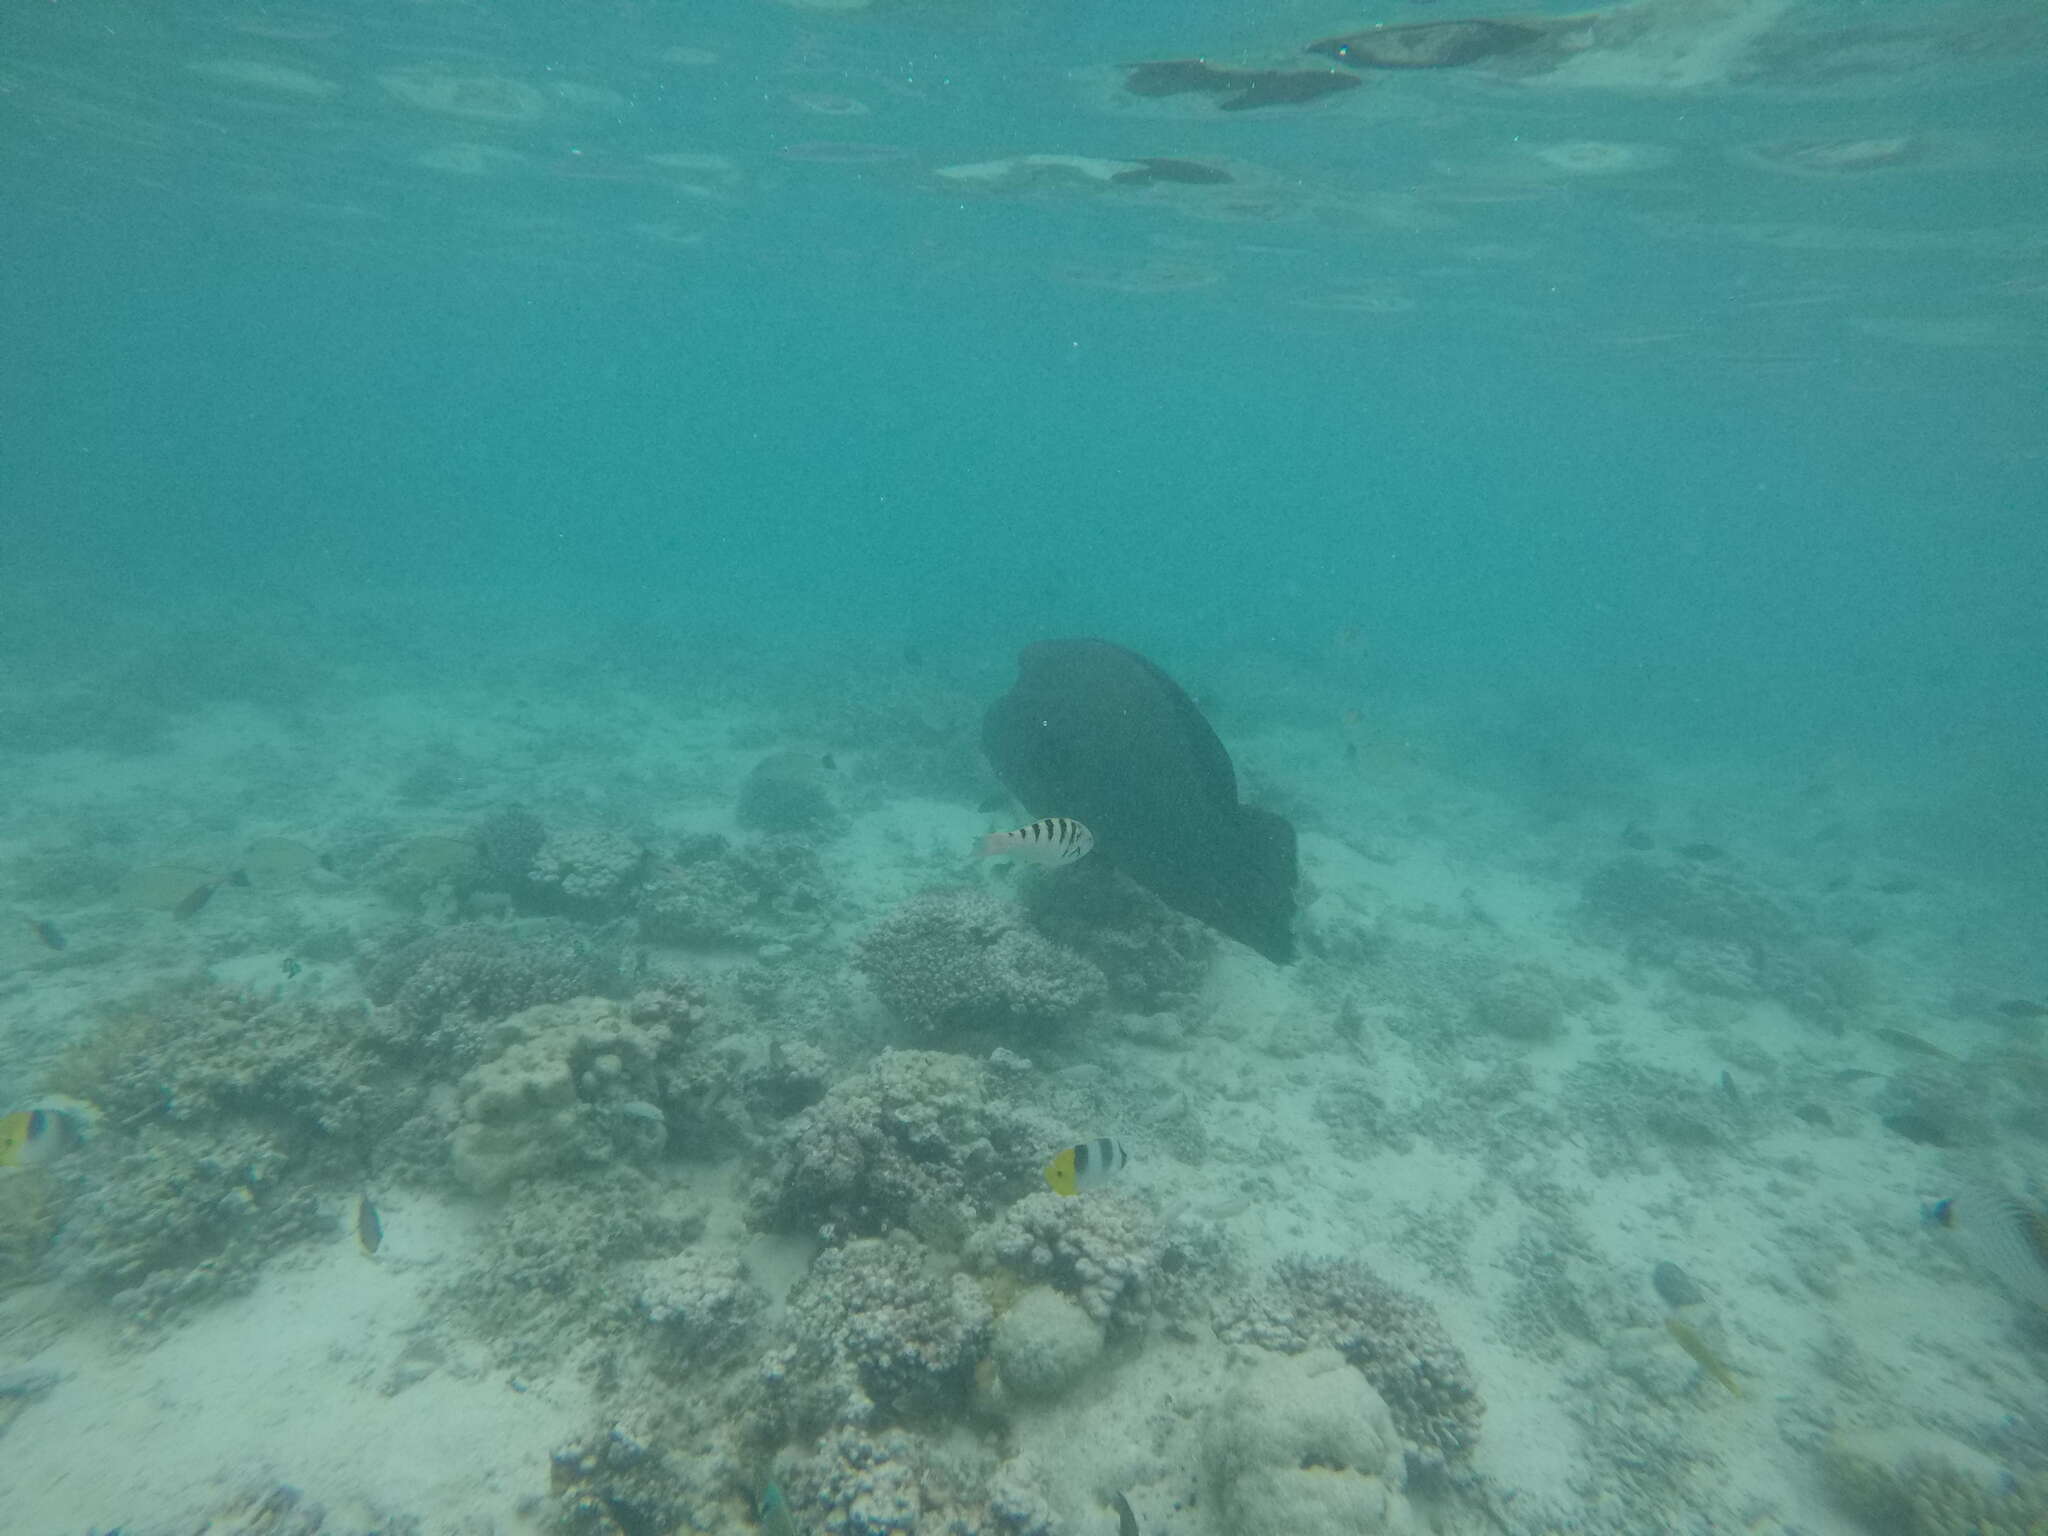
{"x":1689,"y":1340}
{"x":1052,"y":840}
{"x":369,"y":1226}
{"x":1088,"y":1166}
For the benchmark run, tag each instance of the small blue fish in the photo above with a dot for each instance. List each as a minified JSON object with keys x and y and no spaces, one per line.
{"x":47,"y":932}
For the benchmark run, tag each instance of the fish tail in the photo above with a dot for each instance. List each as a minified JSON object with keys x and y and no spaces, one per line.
{"x":990,"y":846}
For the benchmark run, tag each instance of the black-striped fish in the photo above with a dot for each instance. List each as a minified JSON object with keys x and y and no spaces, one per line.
{"x":1052,"y":840}
{"x":1089,"y":1166}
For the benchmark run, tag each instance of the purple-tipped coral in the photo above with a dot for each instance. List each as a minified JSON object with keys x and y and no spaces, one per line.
{"x":1392,"y":1337}
{"x":959,"y":957}
{"x":916,"y":1140}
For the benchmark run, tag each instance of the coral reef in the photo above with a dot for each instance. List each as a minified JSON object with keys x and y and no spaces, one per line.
{"x":338,"y":1087}
{"x":1301,"y":1445}
{"x":1043,"y":1344}
{"x":1393,"y":1338}
{"x":546,"y":1275}
{"x":1719,"y":934}
{"x":917,"y":1139}
{"x":29,"y":1211}
{"x":1103,"y":1250}
{"x":1917,"y":1483}
{"x":1153,"y":959}
{"x":882,"y":1335}
{"x":1523,"y":1004}
{"x":1937,"y":1104}
{"x":585,"y":871}
{"x":161,"y":1220}
{"x":1627,"y":1111}
{"x":957,"y":957}
{"x":703,"y":1307}
{"x":507,"y":842}
{"x":564,"y":1086}
{"x":451,"y":981}
{"x":787,"y":792}
{"x":772,"y":892}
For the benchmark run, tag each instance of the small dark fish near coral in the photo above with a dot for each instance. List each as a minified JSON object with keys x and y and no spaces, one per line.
{"x":1192,"y":172}
{"x":1426,"y":45}
{"x":1676,"y":1287}
{"x":369,"y":1226}
{"x":1126,"y":1522}
{"x":1633,"y":836}
{"x":1899,"y":1039}
{"x":829,"y":763}
{"x":1701,"y":853}
{"x":2020,"y":1008}
{"x":1244,"y":90}
{"x":47,"y":934}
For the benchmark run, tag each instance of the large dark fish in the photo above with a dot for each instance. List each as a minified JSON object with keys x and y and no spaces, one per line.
{"x":1097,"y":733}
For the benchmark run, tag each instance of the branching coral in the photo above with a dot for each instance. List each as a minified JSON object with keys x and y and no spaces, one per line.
{"x":1153,"y":959}
{"x":959,"y":957}
{"x":918,"y":1139}
{"x":1102,"y":1250}
{"x":882,"y":1335}
{"x":1392,"y":1337}
{"x":457,"y":978}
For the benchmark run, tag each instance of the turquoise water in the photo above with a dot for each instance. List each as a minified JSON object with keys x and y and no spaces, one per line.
{"x":1643,"y":425}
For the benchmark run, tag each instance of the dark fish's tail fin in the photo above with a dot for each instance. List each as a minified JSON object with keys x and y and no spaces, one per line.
{"x":1270,"y":867}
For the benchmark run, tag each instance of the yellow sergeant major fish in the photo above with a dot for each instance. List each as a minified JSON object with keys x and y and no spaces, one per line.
{"x":1090,"y":1165}
{"x":1054,"y":840}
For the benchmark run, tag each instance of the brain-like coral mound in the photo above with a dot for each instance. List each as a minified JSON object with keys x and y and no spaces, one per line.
{"x":883,"y":1335}
{"x":462,"y":976}
{"x":1301,"y":1445}
{"x":1394,"y":1338}
{"x":1044,"y":1343}
{"x":918,"y":1139}
{"x":1102,"y":1249}
{"x":959,"y":957}
{"x":563,"y":1086}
